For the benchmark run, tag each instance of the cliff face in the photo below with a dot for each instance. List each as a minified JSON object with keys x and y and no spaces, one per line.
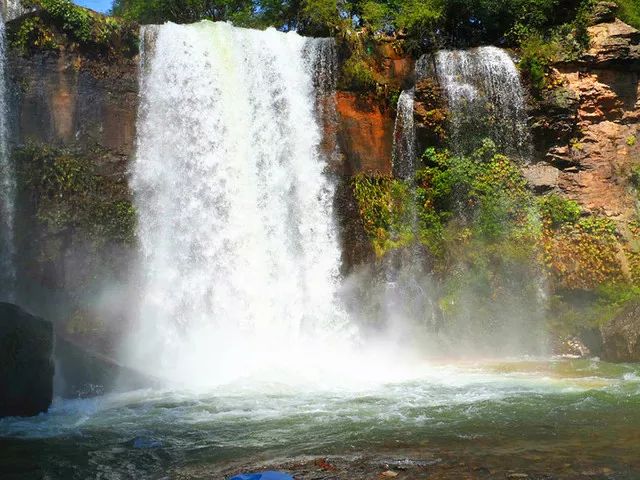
{"x":586,"y":129}
{"x":76,"y":114}
{"x":75,"y":119}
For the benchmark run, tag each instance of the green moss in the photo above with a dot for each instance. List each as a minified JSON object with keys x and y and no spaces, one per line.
{"x":357,"y":75}
{"x":634,"y":176}
{"x":557,"y":210}
{"x":629,"y":12}
{"x":70,"y":196}
{"x":34,"y":34}
{"x":631,"y":140}
{"x":385,"y":208}
{"x":537,"y":54}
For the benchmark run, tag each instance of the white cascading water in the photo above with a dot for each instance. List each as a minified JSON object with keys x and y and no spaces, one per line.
{"x":404,"y":136}
{"x":240,"y":256}
{"x":7,"y":186}
{"x":483,"y":83}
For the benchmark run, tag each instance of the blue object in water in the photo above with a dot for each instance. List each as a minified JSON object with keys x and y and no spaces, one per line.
{"x":262,"y":476}
{"x":144,"y":442}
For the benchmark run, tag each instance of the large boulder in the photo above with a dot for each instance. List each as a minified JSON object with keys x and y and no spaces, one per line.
{"x":613,"y":45}
{"x":621,"y":336}
{"x":26,"y":365}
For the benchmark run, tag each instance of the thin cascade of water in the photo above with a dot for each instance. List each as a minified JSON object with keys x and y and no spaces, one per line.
{"x":240,"y":258}
{"x":7,"y":186}
{"x":321,"y":59}
{"x":486,"y":99}
{"x":404,"y":136}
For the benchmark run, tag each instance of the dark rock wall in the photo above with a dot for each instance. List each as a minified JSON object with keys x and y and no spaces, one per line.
{"x":26,"y":365}
{"x":74,"y":120}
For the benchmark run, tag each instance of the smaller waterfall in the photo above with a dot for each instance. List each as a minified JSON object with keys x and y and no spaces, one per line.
{"x":321,"y":59}
{"x":486,"y":99}
{"x":7,"y":185}
{"x":404,"y":136}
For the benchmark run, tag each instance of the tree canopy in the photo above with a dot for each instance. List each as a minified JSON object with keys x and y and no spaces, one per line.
{"x":455,"y":22}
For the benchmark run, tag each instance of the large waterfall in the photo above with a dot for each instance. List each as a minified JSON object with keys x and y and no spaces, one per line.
{"x":240,"y":260}
{"x":7,"y":186}
{"x":486,"y":99}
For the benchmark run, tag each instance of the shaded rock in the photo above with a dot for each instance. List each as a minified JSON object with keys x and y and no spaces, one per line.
{"x":541,"y":177}
{"x":554,"y":118}
{"x":81,"y":374}
{"x":356,"y":245}
{"x":621,"y":336}
{"x":430,"y":113}
{"x":571,"y":347}
{"x":604,"y":12}
{"x":26,"y":366}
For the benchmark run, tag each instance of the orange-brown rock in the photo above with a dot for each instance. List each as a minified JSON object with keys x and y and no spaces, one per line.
{"x":365,"y":133}
{"x":394,"y":65}
{"x":596,"y":164}
{"x":613,"y":43}
{"x":593,"y":136}
{"x":66,"y":100}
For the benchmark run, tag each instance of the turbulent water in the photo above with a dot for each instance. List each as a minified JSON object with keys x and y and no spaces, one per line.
{"x":404,"y":136}
{"x":485,"y":97}
{"x":559,"y":419}
{"x":7,"y":186}
{"x":240,"y":257}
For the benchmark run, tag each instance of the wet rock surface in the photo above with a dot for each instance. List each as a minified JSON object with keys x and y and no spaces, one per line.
{"x":365,"y":133}
{"x":445,"y":466}
{"x":26,"y":365}
{"x":621,"y":336}
{"x":82,"y":374}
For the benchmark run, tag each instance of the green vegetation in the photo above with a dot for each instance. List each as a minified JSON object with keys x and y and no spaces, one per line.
{"x":629,"y":12}
{"x":459,"y":22}
{"x":68,"y":194}
{"x":490,"y":239}
{"x":57,"y":23}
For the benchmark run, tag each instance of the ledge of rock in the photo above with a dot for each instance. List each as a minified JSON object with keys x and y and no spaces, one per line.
{"x":613,"y":44}
{"x":26,"y":365}
{"x":621,"y":336}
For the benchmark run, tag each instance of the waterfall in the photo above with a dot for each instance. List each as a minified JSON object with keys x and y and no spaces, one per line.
{"x":486,"y":99}
{"x":404,"y":136}
{"x":7,"y":184}
{"x":240,"y":258}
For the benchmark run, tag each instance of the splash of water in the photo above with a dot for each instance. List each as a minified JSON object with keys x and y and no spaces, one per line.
{"x":240,"y":258}
{"x":483,"y":83}
{"x":7,"y":186}
{"x":404,"y":136}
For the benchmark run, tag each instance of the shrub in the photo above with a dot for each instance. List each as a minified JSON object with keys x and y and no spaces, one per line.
{"x":55,"y":22}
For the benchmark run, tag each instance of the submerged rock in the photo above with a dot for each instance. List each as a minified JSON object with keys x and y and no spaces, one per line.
{"x":82,"y":374}
{"x":26,"y":365}
{"x":621,"y":336}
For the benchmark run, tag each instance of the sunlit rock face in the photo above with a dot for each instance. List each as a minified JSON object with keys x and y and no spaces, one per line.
{"x":586,"y":129}
{"x":365,"y":133}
